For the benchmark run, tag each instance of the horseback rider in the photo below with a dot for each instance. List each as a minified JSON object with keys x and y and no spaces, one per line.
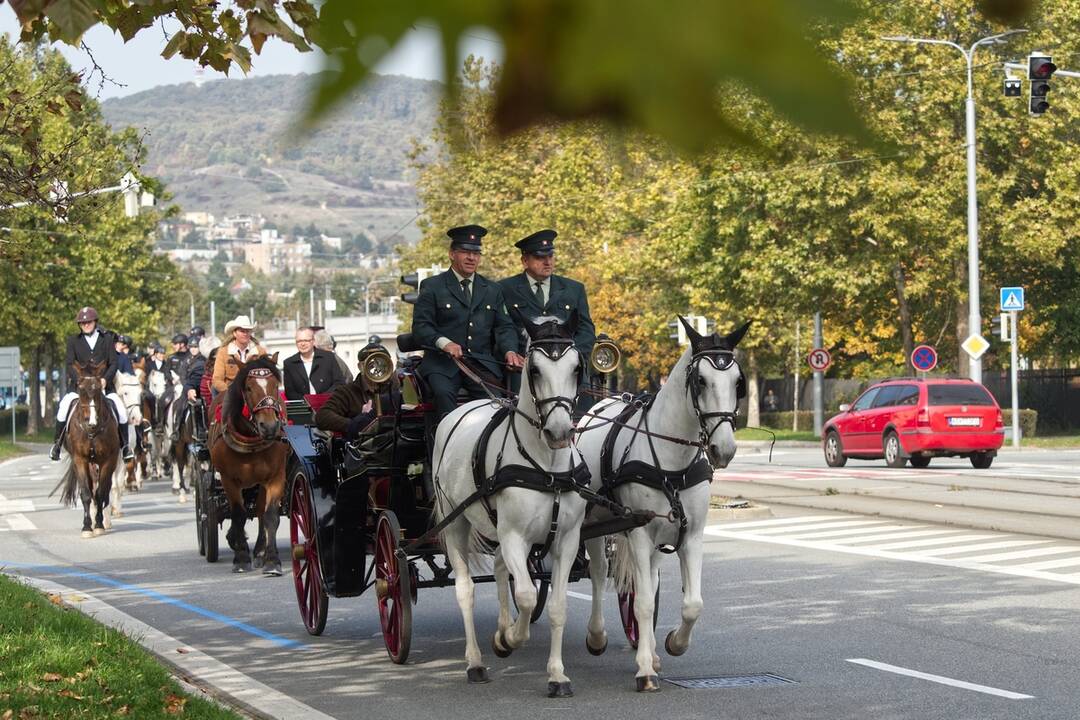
{"x":539,"y":291}
{"x":460,"y":314}
{"x":178,"y":361}
{"x":123,"y":354}
{"x":239,"y":347}
{"x":89,"y":346}
{"x":352,"y":407}
{"x":193,"y":372}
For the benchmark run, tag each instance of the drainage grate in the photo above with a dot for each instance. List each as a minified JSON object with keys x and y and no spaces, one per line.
{"x":729,"y":681}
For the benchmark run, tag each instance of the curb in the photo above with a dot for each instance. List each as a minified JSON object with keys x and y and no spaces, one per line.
{"x":192,"y":668}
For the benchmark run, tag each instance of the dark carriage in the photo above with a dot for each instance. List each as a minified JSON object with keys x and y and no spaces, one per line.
{"x":360,"y":512}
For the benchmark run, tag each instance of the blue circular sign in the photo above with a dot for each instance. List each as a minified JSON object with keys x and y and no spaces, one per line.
{"x":924,"y":358}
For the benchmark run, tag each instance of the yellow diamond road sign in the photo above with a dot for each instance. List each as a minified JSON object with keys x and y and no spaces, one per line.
{"x":975,"y":346}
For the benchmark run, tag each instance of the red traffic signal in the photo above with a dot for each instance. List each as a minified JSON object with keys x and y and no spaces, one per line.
{"x":1040,"y":67}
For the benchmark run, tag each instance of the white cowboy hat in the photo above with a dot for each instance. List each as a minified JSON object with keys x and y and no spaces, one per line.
{"x":208,"y":343}
{"x":240,"y":321}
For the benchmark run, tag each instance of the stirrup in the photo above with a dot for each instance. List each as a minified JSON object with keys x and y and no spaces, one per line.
{"x":54,"y":452}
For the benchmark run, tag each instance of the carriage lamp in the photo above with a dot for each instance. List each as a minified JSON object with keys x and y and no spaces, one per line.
{"x":378,"y":366}
{"x":605,"y":355}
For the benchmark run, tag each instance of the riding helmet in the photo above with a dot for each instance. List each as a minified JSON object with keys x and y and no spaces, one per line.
{"x":179,"y":338}
{"x":196,"y":332}
{"x":86,"y":314}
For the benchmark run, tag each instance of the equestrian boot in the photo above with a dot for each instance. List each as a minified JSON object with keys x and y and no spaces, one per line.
{"x":58,"y":440}
{"x":128,"y":455}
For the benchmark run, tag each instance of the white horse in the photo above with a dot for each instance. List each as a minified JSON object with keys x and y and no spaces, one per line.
{"x":527,"y":473}
{"x":692,"y":414}
{"x":128,"y":476}
{"x":165,"y":387}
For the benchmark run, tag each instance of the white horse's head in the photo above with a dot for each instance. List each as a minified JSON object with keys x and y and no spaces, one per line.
{"x":715,"y":383}
{"x":129,"y":388}
{"x":553,"y":371}
{"x":157,"y":383}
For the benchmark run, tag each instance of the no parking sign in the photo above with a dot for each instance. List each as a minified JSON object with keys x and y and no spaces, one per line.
{"x":924,"y":358}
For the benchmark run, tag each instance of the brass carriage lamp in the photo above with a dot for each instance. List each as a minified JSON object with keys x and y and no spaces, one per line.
{"x":605,"y":355}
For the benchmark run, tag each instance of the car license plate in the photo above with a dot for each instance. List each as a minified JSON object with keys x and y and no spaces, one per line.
{"x":965,"y":421}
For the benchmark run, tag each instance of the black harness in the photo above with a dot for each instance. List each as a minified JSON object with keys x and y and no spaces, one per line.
{"x":669,"y":482}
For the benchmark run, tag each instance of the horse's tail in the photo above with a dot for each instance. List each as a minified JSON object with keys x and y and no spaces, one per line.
{"x":70,"y":483}
{"x":622,"y":564}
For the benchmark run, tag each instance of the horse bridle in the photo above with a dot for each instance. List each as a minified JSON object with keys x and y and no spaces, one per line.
{"x":552,"y":348}
{"x":721,"y":360}
{"x":269,"y":401}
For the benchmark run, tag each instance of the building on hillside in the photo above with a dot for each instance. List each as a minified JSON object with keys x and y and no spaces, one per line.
{"x":186,"y":255}
{"x":333,"y":243}
{"x":240,"y":287}
{"x":199,"y":217}
{"x":271,"y":254}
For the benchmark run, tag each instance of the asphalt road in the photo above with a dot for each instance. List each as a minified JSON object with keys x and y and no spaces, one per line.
{"x":807,"y":595}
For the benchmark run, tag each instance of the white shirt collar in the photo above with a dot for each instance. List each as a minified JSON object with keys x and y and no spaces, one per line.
{"x":461,"y":277}
{"x":92,"y":338}
{"x":545,"y":283}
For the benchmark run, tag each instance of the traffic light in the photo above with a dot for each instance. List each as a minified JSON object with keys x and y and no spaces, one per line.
{"x":414,"y":279}
{"x":1040,"y":68}
{"x":700,"y":323}
{"x":1012,"y":88}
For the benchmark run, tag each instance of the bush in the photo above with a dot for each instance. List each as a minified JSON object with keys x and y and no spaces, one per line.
{"x":22,"y":412}
{"x":782,"y":420}
{"x":1028,"y":421}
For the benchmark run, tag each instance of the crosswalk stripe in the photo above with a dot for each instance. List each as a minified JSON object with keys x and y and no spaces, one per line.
{"x":843,"y":533}
{"x":1021,"y":554}
{"x":1051,"y":564}
{"x":982,"y":546}
{"x":817,"y":526}
{"x":900,"y":535}
{"x":19,"y":521}
{"x":930,"y":541}
{"x":778,"y":521}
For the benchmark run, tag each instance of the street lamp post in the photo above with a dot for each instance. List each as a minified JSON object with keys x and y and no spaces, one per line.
{"x":974,"y":315}
{"x":191,"y":306}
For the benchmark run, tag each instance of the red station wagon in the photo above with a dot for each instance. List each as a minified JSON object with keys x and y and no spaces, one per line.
{"x":916,"y":419}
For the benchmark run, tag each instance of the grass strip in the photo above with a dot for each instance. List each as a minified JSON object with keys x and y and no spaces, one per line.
{"x":749,"y":434}
{"x":56,"y":662}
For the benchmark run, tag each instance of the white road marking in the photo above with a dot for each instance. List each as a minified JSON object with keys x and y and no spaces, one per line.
{"x":940,"y":679}
{"x":931,"y":541}
{"x":779,"y":521}
{"x":982,"y":546}
{"x":1051,"y":564}
{"x":1022,"y":554}
{"x":901,"y":535}
{"x":579,"y":596}
{"x":15,"y":506}
{"x":846,"y":534}
{"x":194,"y":665}
{"x":19,"y":521}
{"x":820,"y":526}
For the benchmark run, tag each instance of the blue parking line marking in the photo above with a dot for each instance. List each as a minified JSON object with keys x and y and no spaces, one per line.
{"x":160,"y":597}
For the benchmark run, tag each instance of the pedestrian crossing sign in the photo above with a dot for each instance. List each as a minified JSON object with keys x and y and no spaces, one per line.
{"x":1012,"y":298}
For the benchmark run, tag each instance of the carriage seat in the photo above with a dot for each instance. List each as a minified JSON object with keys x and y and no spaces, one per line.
{"x":315,"y":402}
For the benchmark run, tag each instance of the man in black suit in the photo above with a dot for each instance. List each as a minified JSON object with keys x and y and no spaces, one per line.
{"x":311,"y":370}
{"x":539,"y":291}
{"x":461,"y":314}
{"x":91,"y":346}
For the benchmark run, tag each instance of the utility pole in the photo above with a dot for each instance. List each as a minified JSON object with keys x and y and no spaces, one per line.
{"x":798,"y":363}
{"x":819,"y":380}
{"x":974,"y":315}
{"x":1014,"y":359}
{"x":213,"y":318}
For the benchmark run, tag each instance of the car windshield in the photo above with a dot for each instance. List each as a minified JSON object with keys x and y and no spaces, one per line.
{"x":959,"y":394}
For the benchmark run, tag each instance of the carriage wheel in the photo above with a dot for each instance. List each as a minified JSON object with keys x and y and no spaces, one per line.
{"x":211,"y":522}
{"x":307,"y":574}
{"x":536,"y":566}
{"x":393,"y":579}
{"x":629,"y":620}
{"x":200,"y":521}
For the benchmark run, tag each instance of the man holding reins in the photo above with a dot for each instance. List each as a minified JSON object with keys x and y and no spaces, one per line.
{"x":461,"y":315}
{"x":89,"y":347}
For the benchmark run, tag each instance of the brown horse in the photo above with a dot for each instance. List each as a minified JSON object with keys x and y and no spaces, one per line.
{"x":247,"y":447}
{"x":93,"y":444}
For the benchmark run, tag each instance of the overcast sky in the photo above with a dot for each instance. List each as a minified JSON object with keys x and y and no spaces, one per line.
{"x":138,"y":65}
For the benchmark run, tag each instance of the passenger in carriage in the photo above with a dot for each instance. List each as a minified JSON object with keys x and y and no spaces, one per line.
{"x":91,"y":346}
{"x":239,"y":347}
{"x":311,"y":370}
{"x":352,"y":406}
{"x":460,"y":314}
{"x":539,"y":291}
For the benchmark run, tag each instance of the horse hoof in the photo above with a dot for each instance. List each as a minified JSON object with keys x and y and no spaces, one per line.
{"x":596,"y":651}
{"x":98,"y":531}
{"x":560,"y":690}
{"x":478,"y":675}
{"x":176,"y":491}
{"x":498,"y":644}
{"x":87,"y":534}
{"x":649,"y":683}
{"x":673,"y":651}
{"x":240,"y":569}
{"x":183,"y":498}
{"x":272,"y":570}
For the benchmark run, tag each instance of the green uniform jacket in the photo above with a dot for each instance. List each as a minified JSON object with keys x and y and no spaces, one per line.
{"x":564,"y":297}
{"x":483,"y":329}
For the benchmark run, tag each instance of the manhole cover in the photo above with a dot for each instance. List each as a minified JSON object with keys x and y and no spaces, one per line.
{"x":729,"y":681}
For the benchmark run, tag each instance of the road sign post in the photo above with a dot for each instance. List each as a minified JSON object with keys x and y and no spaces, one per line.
{"x":1012,"y":302}
{"x":11,"y":376}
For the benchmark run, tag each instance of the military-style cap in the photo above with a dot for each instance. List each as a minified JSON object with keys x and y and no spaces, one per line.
{"x":466,"y":237}
{"x":539,"y":243}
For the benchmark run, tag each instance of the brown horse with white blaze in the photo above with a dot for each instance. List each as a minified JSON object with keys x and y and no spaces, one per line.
{"x":93,"y":443}
{"x":247,"y":447}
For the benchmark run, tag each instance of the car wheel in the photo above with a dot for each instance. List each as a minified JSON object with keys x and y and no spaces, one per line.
{"x":894,"y":454}
{"x":981,"y":460}
{"x":834,"y":450}
{"x":919,"y":461}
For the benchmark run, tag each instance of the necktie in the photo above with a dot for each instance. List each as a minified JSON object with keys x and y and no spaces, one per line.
{"x":540,"y":293}
{"x":465,"y":289}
